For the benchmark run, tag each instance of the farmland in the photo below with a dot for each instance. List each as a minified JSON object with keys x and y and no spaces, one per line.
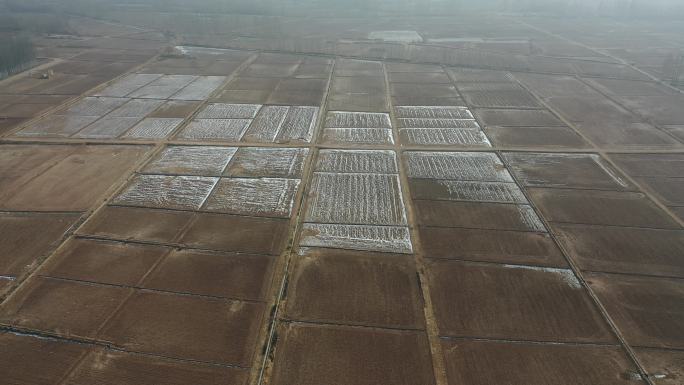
{"x":267,"y":197}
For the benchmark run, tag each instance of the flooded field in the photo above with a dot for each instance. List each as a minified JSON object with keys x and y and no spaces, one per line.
{"x":409,"y":200}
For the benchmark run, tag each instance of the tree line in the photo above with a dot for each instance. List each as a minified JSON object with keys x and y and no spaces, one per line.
{"x":16,"y":47}
{"x":16,"y":51}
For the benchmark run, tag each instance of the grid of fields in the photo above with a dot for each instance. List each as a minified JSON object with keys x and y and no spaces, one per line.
{"x":244,"y":217}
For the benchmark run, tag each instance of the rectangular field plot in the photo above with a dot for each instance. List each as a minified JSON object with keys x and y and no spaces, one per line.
{"x":469,"y":191}
{"x":94,"y":106}
{"x":57,"y":126}
{"x":175,"y":109}
{"x":339,"y":119}
{"x":518,"y":118}
{"x":565,"y":170}
{"x":491,"y":216}
{"x":358,"y":127}
{"x":357,"y":161}
{"x":431,"y":123}
{"x":191,"y":160}
{"x":128,"y":84}
{"x":463,"y":137}
{"x":439,"y":126}
{"x":272,"y":197}
{"x":355,"y":202}
{"x":497,"y":95}
{"x":255,"y":162}
{"x":356,"y":199}
{"x":153,"y":128}
{"x":464,"y":166}
{"x":267,"y":124}
{"x":546,"y":137}
{"x":432,"y":112}
{"x":136,"y":108}
{"x":298,"y":125}
{"x":227,"y":130}
{"x":229,"y":111}
{"x":170,"y":192}
{"x":358,"y":136}
{"x":107,"y":127}
{"x":500,"y":98}
{"x":164,"y":87}
{"x":200,"y":89}
{"x":390,"y":239}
